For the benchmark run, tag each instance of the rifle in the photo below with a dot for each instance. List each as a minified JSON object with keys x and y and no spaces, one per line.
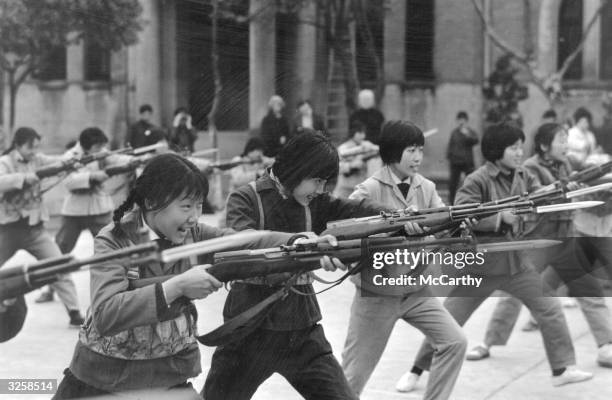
{"x":205,"y":153}
{"x":591,"y":173}
{"x":17,"y":281}
{"x":148,"y":149}
{"x":366,"y":153}
{"x":390,"y":222}
{"x":75,"y":163}
{"x":228,"y":164}
{"x":551,"y":193}
{"x":304,"y":257}
{"x":125,"y":168}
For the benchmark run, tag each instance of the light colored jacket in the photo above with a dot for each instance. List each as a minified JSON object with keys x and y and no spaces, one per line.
{"x":381,"y":188}
{"x":84,"y":198}
{"x":580,"y":145}
{"x":16,"y":200}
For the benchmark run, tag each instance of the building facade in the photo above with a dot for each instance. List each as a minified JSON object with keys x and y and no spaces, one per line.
{"x":435,"y":58}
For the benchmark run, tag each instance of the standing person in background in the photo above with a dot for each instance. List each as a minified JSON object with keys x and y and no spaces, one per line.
{"x":549,"y":117}
{"x":143,"y":132}
{"x":354,"y":169}
{"x":254,"y":167}
{"x":459,"y":153}
{"x":23,"y":213}
{"x":183,"y":134}
{"x":274,"y":127}
{"x":307,"y":118}
{"x":368,"y":115}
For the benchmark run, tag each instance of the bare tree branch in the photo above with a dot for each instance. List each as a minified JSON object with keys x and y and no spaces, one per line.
{"x":568,"y":61}
{"x":228,"y":14}
{"x":527,"y":28}
{"x":501,"y":43}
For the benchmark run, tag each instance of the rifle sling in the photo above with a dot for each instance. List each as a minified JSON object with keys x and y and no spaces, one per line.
{"x":243,"y":324}
{"x":246,"y":322}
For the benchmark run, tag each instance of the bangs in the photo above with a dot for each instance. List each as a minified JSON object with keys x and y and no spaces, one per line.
{"x":191,"y":185}
{"x":170,"y":177}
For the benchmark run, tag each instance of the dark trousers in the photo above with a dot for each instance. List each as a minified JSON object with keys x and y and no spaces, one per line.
{"x":37,"y":241}
{"x":304,"y":357}
{"x":72,"y":226}
{"x":455,"y":178}
{"x":72,"y":388}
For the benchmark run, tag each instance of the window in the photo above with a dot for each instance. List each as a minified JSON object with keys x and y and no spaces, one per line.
{"x":97,"y":62}
{"x":53,"y":65}
{"x":419,"y":39}
{"x":369,"y":47}
{"x":570,"y":34}
{"x":605,"y":59}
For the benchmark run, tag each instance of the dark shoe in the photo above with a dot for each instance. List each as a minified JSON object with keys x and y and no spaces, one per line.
{"x":76,"y":320}
{"x":45,"y":297}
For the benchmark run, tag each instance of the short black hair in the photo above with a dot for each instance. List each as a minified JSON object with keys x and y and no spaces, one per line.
{"x":395,"y":136}
{"x":92,"y":136}
{"x":545,"y":135}
{"x":583,"y":113}
{"x":462,"y":115}
{"x":497,"y":137}
{"x":165,"y":178}
{"x":307,"y":155}
{"x":549,"y":114}
{"x":302,"y":102}
{"x":356,"y":126}
{"x":254,"y":143}
{"x":145,"y":108}
{"x":23,"y":135}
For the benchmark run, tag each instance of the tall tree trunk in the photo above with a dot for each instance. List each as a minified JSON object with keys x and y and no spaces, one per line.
{"x":344,"y":53}
{"x":13,"y":87}
{"x":359,"y":8}
{"x":212,"y":115}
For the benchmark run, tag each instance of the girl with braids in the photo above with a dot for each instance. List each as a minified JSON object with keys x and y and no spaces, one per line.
{"x":22,"y":212}
{"x":145,"y":338}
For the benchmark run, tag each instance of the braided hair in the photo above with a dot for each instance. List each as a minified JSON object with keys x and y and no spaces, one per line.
{"x":165,"y":178}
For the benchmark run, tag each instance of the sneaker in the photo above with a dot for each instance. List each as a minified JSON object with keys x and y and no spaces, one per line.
{"x":478,"y":353}
{"x":571,"y":375}
{"x":76,"y":320}
{"x":604,"y":355}
{"x":530,"y":326}
{"x":569,"y":302}
{"x":407,"y":383}
{"x":45,"y":297}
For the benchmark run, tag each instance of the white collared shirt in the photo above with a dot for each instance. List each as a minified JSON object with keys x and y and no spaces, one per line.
{"x":397,"y":180}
